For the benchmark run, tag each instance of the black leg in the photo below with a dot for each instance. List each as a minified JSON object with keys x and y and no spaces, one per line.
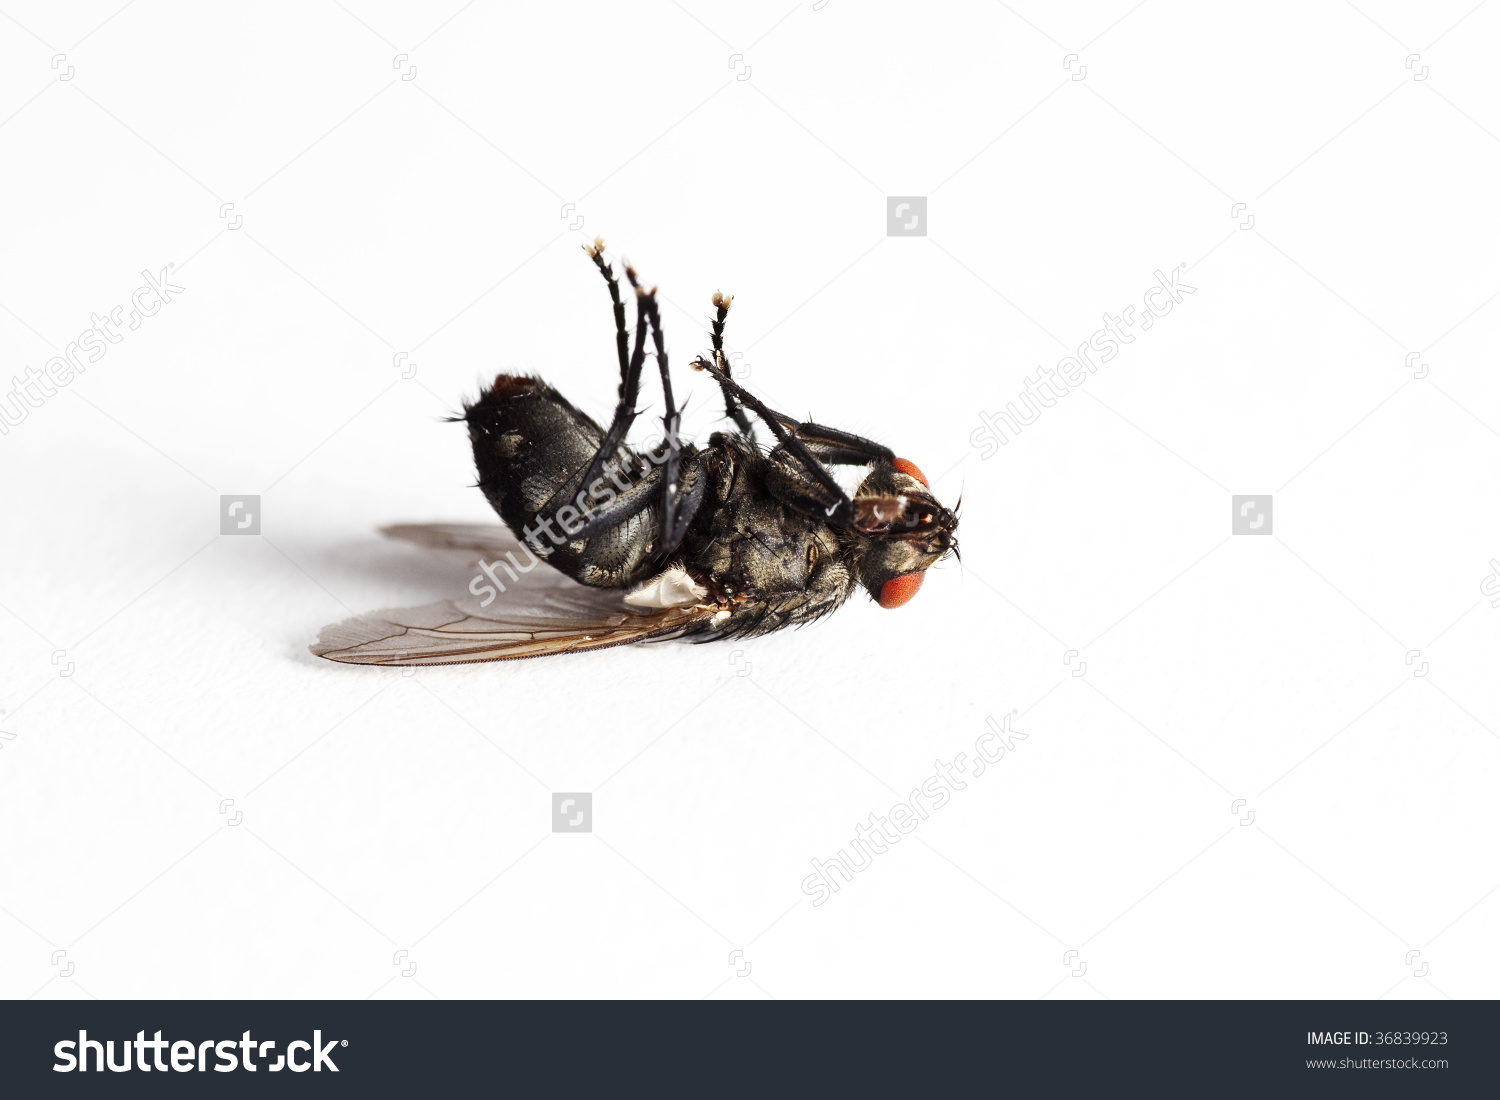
{"x":838,"y":448}
{"x":790,"y":484}
{"x":596,"y":253}
{"x":840,"y":511}
{"x":630,"y":386}
{"x":732,"y":408}
{"x":627,"y":502}
{"x":674,"y":520}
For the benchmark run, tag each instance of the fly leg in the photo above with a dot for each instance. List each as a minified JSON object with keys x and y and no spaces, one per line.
{"x":836,"y":448}
{"x":630,"y":386}
{"x":732,"y":407}
{"x":596,"y":253}
{"x":812,"y":489}
{"x":677,"y":509}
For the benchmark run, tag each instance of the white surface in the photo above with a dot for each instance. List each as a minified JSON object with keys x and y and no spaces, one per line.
{"x":386,"y":813}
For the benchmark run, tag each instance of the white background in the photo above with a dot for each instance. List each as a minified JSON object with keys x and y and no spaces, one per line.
{"x":1339,"y":352}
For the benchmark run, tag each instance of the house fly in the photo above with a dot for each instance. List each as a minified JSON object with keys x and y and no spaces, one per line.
{"x":726,"y":540}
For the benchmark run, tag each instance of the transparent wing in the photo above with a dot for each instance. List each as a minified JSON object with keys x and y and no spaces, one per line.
{"x":444,"y":634}
{"x":542,"y":613}
{"x":474,"y":539}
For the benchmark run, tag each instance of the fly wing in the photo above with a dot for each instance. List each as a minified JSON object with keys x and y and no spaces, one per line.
{"x":540,"y":612}
{"x":445,"y":633}
{"x":474,"y":539}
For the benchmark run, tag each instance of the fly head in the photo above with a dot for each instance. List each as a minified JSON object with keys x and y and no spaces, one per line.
{"x":901,"y":530}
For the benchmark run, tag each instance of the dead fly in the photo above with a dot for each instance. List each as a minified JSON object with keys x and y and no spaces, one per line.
{"x":725,"y":541}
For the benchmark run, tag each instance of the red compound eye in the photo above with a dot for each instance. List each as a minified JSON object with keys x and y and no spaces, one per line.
{"x":909,"y":468}
{"x":900,"y":590}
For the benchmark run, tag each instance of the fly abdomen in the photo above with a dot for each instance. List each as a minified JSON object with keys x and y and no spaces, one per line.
{"x":531,"y":448}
